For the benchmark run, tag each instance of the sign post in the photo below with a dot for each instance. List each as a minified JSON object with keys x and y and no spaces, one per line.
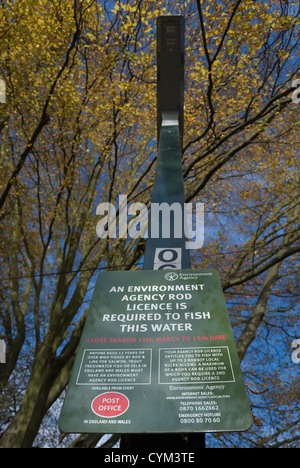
{"x":157,"y":353}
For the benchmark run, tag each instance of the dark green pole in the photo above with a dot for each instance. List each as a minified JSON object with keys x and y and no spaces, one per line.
{"x":168,"y":249}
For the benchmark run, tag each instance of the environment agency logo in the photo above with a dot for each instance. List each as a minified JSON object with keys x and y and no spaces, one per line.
{"x":171,"y":276}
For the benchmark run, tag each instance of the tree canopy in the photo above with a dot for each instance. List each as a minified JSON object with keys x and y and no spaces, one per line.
{"x":79,"y":128}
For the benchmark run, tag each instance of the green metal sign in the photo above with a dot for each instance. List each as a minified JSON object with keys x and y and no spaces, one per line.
{"x":157,"y":355}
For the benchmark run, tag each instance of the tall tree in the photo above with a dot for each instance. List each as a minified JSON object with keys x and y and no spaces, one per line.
{"x":79,"y":128}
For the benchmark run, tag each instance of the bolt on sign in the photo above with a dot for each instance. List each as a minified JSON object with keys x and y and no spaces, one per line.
{"x":157,"y":355}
